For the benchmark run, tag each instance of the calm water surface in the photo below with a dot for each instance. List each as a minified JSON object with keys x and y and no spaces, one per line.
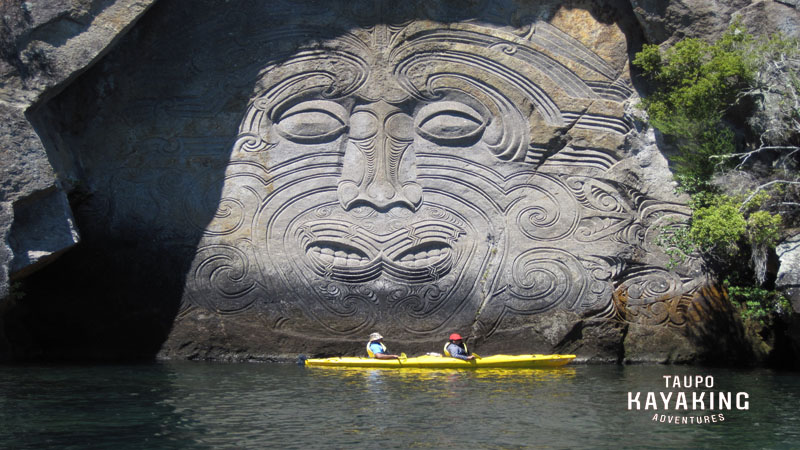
{"x":206,"y":405}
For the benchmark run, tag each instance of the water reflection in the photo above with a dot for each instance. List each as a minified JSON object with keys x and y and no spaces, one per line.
{"x":376,"y":381}
{"x":202,"y":405}
{"x":85,"y":406}
{"x":415,"y":373}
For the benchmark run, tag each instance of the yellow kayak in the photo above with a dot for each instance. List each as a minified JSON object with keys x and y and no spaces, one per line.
{"x":444,"y":362}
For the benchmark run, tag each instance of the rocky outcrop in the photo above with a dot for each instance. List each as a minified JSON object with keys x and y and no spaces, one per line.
{"x":788,"y":281}
{"x":45,"y":45}
{"x":671,"y":20}
{"x":259,"y":181}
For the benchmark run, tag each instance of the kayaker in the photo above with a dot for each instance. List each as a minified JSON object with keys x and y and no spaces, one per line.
{"x":376,"y":349}
{"x":456,"y":348}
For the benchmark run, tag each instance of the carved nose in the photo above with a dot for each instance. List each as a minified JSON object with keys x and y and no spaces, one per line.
{"x":383,"y":186}
{"x":381,"y":192}
{"x":379,"y":164}
{"x":379,"y":195}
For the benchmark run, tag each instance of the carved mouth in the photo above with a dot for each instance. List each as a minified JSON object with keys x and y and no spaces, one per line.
{"x":422,"y":263}
{"x":424,"y":255}
{"x":341,"y":262}
{"x":337,"y":256}
{"x":344,"y":252}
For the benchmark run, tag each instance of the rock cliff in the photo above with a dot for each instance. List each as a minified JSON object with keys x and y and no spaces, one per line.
{"x":231,"y":180}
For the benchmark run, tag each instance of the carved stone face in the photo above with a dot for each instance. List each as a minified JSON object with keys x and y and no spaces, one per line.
{"x":380,"y":213}
{"x":281,"y":177}
{"x":420,"y":178}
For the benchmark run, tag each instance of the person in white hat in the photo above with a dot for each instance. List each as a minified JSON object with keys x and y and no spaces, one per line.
{"x":376,"y":349}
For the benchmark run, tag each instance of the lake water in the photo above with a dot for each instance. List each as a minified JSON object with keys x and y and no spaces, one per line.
{"x":197,"y":405}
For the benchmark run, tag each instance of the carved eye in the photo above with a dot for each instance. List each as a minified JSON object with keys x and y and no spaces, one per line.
{"x":449,"y":123}
{"x":313,"y":122}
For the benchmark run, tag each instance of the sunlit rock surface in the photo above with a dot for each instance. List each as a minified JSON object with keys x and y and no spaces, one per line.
{"x":789,"y":274}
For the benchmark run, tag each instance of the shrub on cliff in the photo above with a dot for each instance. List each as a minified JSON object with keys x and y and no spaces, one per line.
{"x":731,"y":105}
{"x":697,"y":83}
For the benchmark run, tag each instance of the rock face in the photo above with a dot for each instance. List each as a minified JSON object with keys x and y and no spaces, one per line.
{"x":666,"y":21}
{"x":788,"y":280}
{"x":260,"y":181}
{"x":44,"y":45}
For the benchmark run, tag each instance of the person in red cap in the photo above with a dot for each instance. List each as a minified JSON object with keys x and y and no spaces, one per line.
{"x":455,"y":348}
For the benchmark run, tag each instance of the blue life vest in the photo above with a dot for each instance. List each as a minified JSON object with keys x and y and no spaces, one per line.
{"x":369,"y":350}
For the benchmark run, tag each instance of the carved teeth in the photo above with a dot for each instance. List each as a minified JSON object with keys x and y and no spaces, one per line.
{"x":339,"y":258}
{"x":345,"y":261}
{"x":424,"y":258}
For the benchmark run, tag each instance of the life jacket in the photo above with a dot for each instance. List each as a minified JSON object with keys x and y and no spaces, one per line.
{"x":369,"y":351}
{"x":447,"y":344}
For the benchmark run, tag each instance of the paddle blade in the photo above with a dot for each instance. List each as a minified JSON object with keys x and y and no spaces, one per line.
{"x":476,"y":356}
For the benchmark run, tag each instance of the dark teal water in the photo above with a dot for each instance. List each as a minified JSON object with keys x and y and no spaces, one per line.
{"x":205,"y":405}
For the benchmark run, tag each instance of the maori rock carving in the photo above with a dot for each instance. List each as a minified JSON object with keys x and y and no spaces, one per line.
{"x":404,"y":177}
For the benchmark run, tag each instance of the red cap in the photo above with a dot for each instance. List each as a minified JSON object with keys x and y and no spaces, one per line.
{"x":455,"y":337}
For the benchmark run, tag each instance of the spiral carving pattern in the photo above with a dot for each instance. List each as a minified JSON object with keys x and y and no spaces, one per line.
{"x":543,"y":278}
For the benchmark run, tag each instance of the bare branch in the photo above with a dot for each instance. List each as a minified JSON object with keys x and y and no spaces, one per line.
{"x":794,"y":148}
{"x":744,"y":156}
{"x":764,"y":186}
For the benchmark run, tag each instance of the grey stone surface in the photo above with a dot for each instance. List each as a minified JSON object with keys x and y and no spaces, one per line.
{"x":25,"y":172}
{"x":37,"y":235}
{"x":657,"y":345}
{"x":792,"y":3}
{"x":788,"y":280}
{"x":770,"y":17}
{"x":666,"y":21}
{"x":43,"y":46}
{"x":669,"y":20}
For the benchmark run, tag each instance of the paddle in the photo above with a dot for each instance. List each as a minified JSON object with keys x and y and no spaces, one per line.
{"x":402,"y":358}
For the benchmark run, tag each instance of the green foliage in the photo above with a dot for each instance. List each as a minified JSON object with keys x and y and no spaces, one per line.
{"x":696,"y":156}
{"x":718,"y":227}
{"x":763,"y":228}
{"x":693,"y":185}
{"x":674,"y":239}
{"x":719,"y":222}
{"x":758,"y":305}
{"x":758,"y":200}
{"x":697,"y":83}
